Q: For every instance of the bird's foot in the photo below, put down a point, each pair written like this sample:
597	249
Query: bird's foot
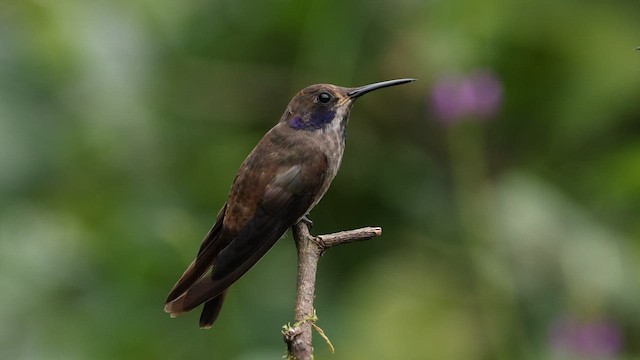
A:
305	219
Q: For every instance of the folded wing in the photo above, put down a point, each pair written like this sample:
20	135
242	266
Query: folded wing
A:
284	201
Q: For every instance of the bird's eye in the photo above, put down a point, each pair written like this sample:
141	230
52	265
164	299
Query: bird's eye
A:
324	97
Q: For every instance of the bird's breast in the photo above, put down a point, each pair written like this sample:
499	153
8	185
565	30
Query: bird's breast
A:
332	143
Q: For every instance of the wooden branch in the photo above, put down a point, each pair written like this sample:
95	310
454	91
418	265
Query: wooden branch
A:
298	336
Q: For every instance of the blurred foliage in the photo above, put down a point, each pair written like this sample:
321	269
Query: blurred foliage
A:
515	236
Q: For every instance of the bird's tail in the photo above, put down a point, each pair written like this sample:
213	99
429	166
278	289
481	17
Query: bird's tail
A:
211	310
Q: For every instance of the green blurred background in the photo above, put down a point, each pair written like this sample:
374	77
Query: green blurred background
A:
509	233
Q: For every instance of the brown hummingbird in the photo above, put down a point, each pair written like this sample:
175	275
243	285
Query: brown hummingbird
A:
277	185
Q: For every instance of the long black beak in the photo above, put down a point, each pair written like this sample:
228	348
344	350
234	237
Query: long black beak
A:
359	91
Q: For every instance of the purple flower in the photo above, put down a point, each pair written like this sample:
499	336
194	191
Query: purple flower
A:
478	95
588	339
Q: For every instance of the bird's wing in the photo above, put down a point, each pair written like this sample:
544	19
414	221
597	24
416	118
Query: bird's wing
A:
285	200
211	246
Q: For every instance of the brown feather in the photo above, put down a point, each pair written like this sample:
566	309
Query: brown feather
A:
211	246
211	310
261	207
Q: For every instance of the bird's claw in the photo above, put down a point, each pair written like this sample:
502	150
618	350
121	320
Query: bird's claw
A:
305	219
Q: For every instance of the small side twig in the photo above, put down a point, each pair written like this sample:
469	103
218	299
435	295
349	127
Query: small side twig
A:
298	337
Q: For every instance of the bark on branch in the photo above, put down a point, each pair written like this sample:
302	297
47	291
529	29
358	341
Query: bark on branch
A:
299	335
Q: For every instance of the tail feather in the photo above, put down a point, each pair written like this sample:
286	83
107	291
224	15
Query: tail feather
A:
175	307
211	310
212	243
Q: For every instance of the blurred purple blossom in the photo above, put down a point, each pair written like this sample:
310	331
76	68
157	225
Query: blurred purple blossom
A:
598	339
455	98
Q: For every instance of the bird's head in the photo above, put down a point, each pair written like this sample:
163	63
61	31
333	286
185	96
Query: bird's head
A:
318	106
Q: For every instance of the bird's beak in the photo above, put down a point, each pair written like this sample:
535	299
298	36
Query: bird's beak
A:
359	91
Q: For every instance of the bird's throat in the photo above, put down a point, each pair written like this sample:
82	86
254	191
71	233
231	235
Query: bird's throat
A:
315	121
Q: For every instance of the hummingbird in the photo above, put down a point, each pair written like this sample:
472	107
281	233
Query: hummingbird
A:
278	184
